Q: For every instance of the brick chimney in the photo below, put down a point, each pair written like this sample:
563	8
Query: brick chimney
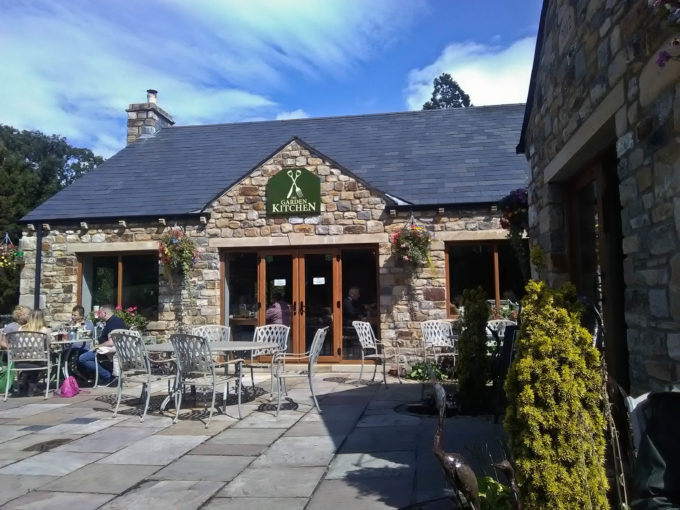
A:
146	119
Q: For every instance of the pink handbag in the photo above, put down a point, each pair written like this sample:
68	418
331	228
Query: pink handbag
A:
69	388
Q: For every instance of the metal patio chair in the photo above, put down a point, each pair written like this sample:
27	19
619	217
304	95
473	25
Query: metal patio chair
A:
110	356
32	348
134	365
379	354
196	366
312	355
213	332
439	340
277	333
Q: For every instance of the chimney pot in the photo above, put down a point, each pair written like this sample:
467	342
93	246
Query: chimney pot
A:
151	96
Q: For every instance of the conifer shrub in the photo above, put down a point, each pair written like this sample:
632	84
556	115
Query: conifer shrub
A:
554	416
473	363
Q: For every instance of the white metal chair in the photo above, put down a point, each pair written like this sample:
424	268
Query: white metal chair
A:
495	331
312	355
109	355
439	340
32	348
134	365
195	366
369	343
213	332
277	333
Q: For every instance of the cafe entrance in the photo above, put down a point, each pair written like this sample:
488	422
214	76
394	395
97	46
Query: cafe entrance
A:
304	289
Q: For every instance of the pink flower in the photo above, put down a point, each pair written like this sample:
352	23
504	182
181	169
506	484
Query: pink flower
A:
119	308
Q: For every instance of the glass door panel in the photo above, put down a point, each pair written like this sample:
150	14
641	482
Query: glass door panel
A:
317	305
282	307
241	295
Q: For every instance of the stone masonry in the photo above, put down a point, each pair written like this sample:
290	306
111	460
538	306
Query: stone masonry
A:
348	207
599	56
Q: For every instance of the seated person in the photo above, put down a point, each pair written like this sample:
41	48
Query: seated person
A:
278	311
20	315
28	380
87	362
78	319
352	309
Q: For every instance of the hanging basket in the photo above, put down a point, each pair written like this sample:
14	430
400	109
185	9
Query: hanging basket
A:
177	253
10	256
411	245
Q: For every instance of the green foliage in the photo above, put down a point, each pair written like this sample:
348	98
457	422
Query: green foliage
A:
132	318
447	94
554	415
33	167
423	371
473	364
177	252
493	495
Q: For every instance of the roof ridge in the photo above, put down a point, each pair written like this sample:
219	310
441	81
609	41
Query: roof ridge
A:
353	116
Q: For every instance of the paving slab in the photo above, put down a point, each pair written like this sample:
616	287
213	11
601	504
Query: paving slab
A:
13	486
265	420
29	410
102	478
235	435
366	494
229	450
203	467
388	419
274	482
373	439
256	503
58	500
154	450
83	428
51	463
332	428
166	494
197	427
9	432
300	451
108	440
372	465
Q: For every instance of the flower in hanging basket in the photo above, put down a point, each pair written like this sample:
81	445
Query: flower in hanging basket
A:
177	252
10	257
412	245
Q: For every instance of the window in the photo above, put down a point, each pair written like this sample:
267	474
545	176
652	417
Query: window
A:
121	280
493	266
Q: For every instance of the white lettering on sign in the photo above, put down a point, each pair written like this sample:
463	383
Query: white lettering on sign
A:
280	282
319	280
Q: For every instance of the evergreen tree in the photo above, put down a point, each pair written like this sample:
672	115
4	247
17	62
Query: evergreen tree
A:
447	94
33	167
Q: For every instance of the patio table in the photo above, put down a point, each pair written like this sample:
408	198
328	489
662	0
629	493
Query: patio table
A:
62	349
225	347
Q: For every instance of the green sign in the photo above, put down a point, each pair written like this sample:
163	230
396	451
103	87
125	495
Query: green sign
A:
294	192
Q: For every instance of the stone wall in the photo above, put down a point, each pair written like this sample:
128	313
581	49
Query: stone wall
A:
597	80
350	211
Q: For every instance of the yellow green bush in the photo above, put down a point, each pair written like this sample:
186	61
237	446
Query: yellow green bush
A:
554	417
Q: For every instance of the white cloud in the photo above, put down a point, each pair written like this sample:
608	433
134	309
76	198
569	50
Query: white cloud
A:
295	114
488	74
73	67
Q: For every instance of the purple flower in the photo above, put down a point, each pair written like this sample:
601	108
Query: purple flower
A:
662	58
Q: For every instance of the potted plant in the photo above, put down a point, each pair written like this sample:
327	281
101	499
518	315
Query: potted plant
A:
132	317
412	245
177	253
10	256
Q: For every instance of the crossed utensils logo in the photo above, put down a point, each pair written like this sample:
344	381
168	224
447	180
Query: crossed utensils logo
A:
294	186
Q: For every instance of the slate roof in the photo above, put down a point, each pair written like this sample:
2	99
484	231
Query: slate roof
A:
429	157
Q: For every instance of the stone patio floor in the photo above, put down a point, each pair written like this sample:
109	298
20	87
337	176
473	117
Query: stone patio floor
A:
360	453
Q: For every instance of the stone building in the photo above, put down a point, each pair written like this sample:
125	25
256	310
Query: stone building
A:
301	208
601	132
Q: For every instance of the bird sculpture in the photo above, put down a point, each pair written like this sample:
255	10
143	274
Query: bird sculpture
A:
456	469
506	468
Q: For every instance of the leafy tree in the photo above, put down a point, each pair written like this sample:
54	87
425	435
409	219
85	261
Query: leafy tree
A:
33	167
473	367
447	94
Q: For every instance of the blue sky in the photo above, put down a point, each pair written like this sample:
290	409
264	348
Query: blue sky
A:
72	67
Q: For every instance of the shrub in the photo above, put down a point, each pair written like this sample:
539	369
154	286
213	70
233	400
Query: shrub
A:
554	416
473	363
424	370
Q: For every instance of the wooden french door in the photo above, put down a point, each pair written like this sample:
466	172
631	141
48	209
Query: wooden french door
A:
307	280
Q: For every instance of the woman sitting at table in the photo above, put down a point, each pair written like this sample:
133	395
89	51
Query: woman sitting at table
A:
21	315
28	381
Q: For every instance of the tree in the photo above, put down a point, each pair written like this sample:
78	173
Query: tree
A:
33	167
447	94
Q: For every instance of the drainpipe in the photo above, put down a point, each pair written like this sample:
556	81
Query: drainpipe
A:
38	265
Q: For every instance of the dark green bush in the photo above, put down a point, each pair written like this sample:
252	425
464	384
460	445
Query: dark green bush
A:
424	370
473	363
554	415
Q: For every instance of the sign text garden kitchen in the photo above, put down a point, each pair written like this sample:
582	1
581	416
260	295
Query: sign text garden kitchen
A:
294	191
